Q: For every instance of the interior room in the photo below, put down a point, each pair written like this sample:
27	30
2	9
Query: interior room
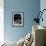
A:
22	23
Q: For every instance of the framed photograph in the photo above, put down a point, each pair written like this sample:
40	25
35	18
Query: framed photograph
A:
17	19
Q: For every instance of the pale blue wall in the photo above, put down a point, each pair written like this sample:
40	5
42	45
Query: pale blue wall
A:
29	7
43	6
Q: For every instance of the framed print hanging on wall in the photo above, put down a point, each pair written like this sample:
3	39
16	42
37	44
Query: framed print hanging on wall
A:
17	19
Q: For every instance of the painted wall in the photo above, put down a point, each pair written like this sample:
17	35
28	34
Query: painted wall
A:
29	7
43	6
1	20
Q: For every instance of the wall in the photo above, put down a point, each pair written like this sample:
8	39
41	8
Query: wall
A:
42	6
1	20
29	7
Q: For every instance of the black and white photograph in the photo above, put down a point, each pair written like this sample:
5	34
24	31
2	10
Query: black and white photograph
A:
18	19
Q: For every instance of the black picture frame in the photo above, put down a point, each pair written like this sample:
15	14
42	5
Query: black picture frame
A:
17	19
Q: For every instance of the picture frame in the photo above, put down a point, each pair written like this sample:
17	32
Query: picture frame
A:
17	19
